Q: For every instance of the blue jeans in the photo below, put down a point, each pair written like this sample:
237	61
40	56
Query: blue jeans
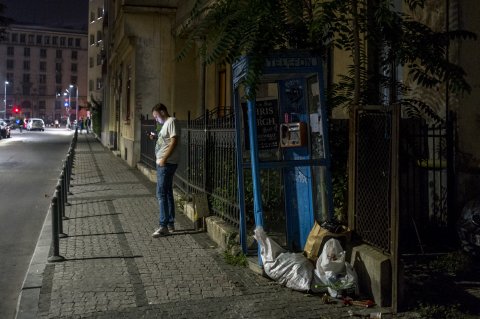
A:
165	194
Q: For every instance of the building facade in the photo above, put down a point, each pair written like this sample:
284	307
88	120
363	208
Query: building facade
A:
96	52
43	69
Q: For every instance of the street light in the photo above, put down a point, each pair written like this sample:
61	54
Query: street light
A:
76	100
5	99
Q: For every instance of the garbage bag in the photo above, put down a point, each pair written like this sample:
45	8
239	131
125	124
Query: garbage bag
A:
294	271
332	258
269	249
334	273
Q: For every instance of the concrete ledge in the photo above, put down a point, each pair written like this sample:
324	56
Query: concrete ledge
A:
220	232
27	306
150	173
374	274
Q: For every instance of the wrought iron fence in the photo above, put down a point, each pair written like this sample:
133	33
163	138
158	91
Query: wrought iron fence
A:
208	164
147	145
424	184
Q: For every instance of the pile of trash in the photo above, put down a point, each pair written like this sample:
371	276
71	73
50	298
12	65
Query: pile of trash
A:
303	271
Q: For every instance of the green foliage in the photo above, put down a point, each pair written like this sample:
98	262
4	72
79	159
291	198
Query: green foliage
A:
235	260
456	263
96	109
433	311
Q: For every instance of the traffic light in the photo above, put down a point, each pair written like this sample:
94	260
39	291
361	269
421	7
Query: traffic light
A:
66	104
16	110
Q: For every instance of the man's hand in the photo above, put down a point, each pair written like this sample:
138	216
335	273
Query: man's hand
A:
161	162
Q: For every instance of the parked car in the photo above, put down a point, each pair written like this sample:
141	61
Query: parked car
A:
35	124
4	129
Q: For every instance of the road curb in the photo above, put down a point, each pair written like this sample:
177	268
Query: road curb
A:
27	305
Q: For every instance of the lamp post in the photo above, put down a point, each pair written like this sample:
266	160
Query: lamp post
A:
5	99
76	100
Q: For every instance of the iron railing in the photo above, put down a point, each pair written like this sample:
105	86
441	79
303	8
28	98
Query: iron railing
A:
426	194
208	163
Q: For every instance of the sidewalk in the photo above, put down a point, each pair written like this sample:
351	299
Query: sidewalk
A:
115	269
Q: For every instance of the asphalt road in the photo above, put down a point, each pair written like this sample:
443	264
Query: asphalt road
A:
30	164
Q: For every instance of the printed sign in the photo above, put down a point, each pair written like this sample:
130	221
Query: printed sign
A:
267	124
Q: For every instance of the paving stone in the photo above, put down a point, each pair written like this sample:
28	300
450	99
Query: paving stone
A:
115	269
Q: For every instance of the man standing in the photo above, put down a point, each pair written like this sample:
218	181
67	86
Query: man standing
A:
167	155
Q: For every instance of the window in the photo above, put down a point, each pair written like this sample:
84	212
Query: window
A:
26	78
41	104
39	39
26	91
90	85
99	83
74	55
43	66
26	52
42	90
62	41
10	64
58	90
73	79
58	78
10	77
77	42
99	13
92	39
58	67
59	54
70	42
91	62
14	37
92	16
99	59
10	51
42	79
54	40
22	37
58	104
47	40
26	65
31	38
43	53
74	67
99	36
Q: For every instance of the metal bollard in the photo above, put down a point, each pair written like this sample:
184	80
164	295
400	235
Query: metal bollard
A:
64	176
60	208
55	257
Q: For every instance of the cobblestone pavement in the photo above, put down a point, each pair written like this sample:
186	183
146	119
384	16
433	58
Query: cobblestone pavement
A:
115	269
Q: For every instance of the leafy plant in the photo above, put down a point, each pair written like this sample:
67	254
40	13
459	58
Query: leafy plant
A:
455	263
235	260
441	312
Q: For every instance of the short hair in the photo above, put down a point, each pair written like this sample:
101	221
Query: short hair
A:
159	107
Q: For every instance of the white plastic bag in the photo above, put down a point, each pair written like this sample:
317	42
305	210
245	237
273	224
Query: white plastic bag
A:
269	249
332	257
292	270
333	272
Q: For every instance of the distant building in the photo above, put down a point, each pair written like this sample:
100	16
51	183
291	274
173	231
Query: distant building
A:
43	67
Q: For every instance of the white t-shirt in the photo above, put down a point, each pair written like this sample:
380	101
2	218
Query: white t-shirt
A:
169	129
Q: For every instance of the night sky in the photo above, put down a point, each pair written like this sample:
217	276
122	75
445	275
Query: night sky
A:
55	13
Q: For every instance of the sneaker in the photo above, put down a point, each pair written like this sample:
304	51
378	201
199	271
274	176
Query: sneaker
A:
162	231
171	228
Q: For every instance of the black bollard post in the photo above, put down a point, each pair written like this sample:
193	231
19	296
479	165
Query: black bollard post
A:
64	177
55	257
69	171
60	207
